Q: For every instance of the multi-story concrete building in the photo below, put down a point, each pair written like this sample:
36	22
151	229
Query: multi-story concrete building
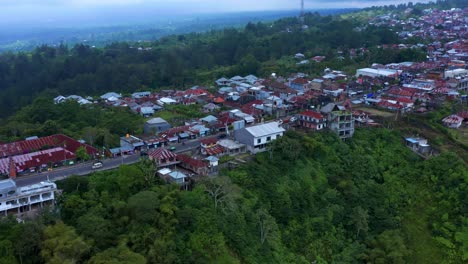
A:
17	200
340	120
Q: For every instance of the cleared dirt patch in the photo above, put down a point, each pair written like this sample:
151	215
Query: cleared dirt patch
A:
376	112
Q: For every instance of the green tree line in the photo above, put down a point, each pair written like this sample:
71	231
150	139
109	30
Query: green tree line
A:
174	61
309	199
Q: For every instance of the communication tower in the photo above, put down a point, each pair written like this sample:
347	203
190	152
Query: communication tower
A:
301	15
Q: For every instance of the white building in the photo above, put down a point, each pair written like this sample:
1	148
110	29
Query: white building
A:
456	73
257	137
166	101
16	200
377	73
111	96
453	121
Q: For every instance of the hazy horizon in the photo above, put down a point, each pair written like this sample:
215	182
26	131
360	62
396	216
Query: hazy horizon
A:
113	12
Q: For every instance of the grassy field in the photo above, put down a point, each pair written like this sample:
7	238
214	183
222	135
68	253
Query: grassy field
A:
376	112
423	125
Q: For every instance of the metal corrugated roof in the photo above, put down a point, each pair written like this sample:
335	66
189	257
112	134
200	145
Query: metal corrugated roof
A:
7	185
177	175
265	129
156	120
162	153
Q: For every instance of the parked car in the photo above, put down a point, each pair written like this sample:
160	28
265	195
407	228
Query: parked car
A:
97	165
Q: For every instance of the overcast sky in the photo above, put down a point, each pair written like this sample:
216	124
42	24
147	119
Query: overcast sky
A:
227	5
20	11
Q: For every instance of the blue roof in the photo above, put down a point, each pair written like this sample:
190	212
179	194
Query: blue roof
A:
177	175
115	150
412	140
209	119
183	135
147	110
212	158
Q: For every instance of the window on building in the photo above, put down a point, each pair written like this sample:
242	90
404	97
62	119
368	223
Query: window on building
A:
259	141
268	139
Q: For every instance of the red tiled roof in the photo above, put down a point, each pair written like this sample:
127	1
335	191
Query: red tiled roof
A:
463	114
27	146
161	153
387	104
401	92
404	100
218	100
312	114
453	119
226	120
25	161
251	110
171	132
196	92
298	100
300	81
442	90
216	150
209	141
194	163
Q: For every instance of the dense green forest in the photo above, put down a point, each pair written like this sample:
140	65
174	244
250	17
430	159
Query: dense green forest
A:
185	60
98	125
310	199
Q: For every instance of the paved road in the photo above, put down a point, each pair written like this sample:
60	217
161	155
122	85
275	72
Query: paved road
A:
79	169
85	168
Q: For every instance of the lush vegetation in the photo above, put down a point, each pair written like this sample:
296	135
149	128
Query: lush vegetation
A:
185	60
310	198
97	125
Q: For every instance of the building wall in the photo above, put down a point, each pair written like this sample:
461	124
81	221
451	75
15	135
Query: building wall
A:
342	123
27	202
253	143
463	85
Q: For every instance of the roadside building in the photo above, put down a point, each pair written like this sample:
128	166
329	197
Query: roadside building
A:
18	200
131	143
257	137
163	157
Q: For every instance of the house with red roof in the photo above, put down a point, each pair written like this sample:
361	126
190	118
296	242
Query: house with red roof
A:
464	115
453	121
43	143
318	58
210	147
163	157
200	167
218	100
312	120
389	105
299	84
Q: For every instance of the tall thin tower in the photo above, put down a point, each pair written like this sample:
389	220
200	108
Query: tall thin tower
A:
301	15
302	8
